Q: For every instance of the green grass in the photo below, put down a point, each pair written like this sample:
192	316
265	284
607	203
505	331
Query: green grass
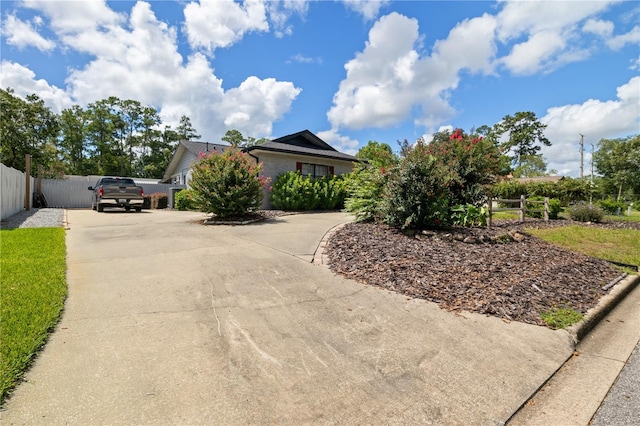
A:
618	245
33	290
635	217
557	318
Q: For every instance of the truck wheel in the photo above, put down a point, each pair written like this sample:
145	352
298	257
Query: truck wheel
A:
127	208
93	206
138	209
100	208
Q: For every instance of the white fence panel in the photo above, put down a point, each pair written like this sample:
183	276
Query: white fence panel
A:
12	188
72	192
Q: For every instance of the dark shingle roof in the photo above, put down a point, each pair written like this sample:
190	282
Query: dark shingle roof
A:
197	147
294	149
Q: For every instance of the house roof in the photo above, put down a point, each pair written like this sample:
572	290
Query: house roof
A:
540	179
192	147
302	143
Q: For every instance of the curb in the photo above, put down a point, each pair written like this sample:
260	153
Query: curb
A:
319	257
605	305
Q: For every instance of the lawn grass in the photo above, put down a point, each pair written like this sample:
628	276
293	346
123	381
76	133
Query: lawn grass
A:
33	289
617	245
635	217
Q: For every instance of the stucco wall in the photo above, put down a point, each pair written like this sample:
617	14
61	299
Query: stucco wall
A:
275	164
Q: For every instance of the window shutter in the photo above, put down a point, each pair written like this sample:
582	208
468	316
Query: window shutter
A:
299	167
331	170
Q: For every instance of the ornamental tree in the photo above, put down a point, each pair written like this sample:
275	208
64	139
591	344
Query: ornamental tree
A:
471	162
227	184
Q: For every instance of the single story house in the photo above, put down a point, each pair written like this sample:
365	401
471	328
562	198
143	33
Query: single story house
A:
302	151
541	179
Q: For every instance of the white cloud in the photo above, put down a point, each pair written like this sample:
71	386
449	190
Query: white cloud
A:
256	104
75	16
24	82
369	9
593	118
550	33
341	143
23	34
280	12
632	37
137	58
388	79
598	27
211	24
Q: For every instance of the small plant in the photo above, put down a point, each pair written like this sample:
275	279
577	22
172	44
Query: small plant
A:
469	215
560	317
584	212
611	206
555	207
184	200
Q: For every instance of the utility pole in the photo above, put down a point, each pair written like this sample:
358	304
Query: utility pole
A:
581	156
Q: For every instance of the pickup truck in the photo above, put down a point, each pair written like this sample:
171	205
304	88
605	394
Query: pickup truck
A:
116	192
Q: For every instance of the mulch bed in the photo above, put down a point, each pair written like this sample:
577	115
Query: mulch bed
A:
500	271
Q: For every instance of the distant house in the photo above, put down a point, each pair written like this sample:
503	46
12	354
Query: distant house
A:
302	151
552	179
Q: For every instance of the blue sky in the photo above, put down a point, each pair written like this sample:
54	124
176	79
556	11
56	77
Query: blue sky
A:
349	71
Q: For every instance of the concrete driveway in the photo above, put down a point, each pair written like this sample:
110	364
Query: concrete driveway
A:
172	322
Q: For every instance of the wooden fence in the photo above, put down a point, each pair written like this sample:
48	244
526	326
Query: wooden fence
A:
522	207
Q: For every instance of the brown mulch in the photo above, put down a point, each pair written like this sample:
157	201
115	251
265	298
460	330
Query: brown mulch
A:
500	271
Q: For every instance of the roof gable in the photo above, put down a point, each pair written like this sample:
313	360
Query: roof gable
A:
305	139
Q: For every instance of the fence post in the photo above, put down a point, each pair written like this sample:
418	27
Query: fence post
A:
546	209
27	188
523	206
490	210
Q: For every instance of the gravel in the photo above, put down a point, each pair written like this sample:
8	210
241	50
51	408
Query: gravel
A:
35	218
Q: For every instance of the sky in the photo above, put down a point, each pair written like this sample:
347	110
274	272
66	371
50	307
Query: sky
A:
349	71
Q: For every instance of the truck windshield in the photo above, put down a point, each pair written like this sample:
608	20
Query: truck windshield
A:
114	181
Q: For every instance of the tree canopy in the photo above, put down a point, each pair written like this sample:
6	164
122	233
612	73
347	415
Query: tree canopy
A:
618	161
524	133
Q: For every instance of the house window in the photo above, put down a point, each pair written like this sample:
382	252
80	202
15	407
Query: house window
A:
314	170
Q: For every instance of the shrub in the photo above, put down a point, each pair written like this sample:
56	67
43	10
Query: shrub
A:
584	212
294	192
418	193
159	200
366	190
227	184
555	207
469	215
330	191
184	200
471	161
611	206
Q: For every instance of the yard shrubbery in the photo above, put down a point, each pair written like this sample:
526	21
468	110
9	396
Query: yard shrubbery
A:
294	192
227	184
428	184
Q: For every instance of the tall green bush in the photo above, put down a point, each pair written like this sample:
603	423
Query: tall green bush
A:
418	194
294	192
227	184
366	187
184	200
